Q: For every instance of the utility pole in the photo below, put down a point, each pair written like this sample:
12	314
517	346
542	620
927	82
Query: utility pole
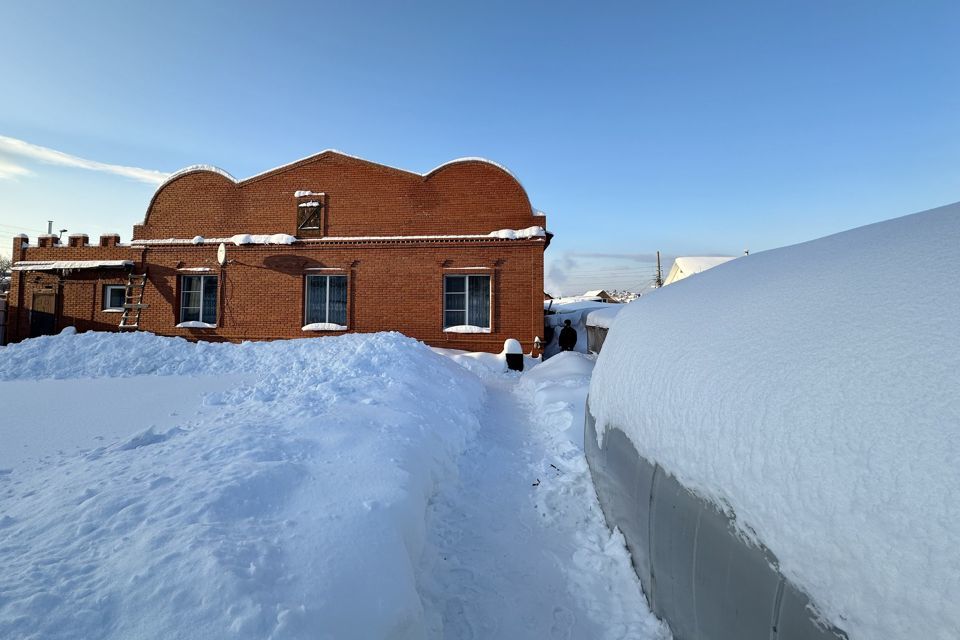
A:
659	282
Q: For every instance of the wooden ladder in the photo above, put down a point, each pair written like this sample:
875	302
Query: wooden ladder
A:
133	301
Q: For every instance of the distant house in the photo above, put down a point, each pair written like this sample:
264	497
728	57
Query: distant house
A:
321	246
600	294
689	265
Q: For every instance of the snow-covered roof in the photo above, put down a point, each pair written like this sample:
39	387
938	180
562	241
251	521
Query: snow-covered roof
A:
192	169
218	170
70	265
283	238
822	412
519	234
238	239
565	301
604	317
685	266
304	192
472	159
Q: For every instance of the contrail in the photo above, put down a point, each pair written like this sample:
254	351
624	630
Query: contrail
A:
12	146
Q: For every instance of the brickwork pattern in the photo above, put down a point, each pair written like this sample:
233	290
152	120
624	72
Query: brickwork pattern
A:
392	285
362	199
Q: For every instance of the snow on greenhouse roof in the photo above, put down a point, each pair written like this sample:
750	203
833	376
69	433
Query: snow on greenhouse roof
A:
822	411
604	317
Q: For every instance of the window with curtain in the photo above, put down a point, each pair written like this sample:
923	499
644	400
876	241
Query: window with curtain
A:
198	299
327	300
466	301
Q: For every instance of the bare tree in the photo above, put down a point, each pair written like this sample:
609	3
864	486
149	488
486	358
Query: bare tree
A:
5	264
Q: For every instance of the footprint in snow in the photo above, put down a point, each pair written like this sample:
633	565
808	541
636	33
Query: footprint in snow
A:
563	622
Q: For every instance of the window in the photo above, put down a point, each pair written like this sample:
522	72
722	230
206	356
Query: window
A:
466	301
326	300
114	296
198	299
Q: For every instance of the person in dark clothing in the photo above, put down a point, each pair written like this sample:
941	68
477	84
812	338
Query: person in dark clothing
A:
568	337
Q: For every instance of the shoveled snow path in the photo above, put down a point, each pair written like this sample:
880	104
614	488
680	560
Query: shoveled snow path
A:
507	559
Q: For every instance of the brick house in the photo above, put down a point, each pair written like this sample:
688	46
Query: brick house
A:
324	245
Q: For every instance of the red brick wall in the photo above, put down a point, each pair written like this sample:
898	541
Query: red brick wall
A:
363	199
392	285
80	293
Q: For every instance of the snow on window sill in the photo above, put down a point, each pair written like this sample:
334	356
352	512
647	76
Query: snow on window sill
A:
323	326
466	328
193	324
112	310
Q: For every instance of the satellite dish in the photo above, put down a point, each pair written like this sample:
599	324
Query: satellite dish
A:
222	254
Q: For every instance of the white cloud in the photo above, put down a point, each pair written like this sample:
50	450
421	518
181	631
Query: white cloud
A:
11	171
12	146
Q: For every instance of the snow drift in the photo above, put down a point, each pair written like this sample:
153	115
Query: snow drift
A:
812	391
293	506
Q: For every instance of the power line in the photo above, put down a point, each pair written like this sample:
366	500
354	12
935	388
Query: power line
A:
18	228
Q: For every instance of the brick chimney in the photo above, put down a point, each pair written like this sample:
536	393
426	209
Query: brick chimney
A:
109	239
78	240
18	241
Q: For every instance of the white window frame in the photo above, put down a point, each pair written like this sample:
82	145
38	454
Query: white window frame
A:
106	297
326	310
203	288
466	298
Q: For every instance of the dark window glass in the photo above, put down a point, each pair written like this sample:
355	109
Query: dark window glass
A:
454	318
456	284
456	301
114	296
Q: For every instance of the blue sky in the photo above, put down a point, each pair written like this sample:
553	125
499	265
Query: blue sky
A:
688	127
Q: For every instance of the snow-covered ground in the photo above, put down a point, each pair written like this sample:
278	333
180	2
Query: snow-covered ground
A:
359	486
46	419
518	547
291	506
813	390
